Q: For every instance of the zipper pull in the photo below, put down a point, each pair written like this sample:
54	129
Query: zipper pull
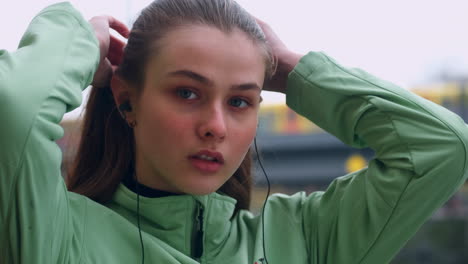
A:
260	261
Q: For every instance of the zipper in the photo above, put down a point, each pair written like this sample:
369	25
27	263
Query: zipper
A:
197	240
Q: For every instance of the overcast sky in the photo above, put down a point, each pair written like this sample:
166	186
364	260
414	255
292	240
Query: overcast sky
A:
404	41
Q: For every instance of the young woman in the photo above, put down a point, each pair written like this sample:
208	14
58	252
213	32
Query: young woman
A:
163	169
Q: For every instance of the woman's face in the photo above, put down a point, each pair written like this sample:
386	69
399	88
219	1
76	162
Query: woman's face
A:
197	113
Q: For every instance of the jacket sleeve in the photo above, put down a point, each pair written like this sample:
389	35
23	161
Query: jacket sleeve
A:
420	161
39	82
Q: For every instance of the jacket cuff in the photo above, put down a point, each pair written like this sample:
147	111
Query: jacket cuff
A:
300	77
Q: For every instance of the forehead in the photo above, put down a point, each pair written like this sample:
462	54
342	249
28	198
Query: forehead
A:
210	52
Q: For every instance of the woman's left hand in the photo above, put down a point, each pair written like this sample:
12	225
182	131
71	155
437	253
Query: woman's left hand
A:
285	58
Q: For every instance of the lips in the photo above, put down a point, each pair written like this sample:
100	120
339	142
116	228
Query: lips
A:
209	156
207	161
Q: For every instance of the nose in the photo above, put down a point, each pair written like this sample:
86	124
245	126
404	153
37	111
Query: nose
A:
212	124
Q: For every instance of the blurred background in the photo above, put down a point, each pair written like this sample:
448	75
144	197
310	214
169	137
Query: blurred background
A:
419	45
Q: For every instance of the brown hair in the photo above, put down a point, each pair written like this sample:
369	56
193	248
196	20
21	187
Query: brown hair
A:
107	150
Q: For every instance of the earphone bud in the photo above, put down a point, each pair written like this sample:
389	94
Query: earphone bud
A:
125	107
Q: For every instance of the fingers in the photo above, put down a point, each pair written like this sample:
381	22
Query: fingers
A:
116	45
264	25
118	26
111	47
116	48
259	21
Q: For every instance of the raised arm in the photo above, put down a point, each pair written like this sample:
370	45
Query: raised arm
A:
367	216
39	82
421	155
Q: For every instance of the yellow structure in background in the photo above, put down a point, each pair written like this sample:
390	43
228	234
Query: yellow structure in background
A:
279	119
442	93
355	162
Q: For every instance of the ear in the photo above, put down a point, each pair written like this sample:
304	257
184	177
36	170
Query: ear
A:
122	94
120	90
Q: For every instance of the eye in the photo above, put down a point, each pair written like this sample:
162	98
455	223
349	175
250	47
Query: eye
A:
238	102
186	94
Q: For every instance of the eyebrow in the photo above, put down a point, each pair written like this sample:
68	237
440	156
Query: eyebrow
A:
192	75
246	86
203	80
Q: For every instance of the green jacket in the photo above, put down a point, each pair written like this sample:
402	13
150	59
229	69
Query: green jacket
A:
364	217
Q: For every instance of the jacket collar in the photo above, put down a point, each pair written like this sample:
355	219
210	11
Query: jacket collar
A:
173	219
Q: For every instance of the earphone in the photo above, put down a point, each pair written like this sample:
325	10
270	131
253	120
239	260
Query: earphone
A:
123	108
126	107
264	203
138	221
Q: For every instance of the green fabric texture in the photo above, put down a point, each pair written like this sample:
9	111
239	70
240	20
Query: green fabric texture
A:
364	217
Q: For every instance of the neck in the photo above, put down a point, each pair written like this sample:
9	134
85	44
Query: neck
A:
130	182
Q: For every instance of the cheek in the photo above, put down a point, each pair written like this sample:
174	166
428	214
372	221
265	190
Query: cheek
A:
243	136
241	140
162	126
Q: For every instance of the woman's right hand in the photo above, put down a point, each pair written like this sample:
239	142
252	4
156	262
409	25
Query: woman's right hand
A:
111	48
